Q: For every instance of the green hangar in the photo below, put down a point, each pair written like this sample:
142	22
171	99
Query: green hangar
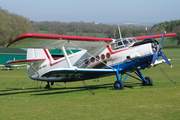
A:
11	54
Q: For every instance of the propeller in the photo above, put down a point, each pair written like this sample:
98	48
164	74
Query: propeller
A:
159	49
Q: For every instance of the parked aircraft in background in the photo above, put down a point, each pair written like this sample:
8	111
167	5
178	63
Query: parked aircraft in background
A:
99	57
11	66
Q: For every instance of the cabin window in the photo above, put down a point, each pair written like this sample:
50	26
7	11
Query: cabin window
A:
92	59
102	56
97	58
86	61
108	55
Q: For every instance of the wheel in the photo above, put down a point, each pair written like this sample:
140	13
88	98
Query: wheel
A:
52	83
47	86
150	82
118	85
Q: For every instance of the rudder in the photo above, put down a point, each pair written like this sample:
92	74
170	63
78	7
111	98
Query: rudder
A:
38	54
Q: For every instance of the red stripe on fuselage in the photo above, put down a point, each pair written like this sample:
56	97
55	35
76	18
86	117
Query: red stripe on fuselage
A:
49	58
108	47
114	52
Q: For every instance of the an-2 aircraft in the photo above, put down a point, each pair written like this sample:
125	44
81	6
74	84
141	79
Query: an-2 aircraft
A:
99	57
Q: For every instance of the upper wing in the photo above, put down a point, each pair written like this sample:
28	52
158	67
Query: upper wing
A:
155	36
49	41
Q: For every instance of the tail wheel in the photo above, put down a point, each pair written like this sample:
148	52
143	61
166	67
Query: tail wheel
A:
118	85
150	82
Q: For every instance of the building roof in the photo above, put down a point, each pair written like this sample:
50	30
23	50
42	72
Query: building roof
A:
12	51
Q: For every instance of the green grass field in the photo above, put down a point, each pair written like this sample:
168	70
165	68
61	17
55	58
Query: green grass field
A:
19	98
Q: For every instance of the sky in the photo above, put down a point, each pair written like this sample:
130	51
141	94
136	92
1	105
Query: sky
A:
98	11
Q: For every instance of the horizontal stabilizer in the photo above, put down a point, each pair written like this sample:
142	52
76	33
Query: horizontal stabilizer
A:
27	61
160	62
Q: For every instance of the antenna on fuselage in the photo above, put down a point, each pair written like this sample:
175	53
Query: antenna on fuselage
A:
119	32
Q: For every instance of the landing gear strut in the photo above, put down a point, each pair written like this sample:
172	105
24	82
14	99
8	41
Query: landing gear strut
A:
119	84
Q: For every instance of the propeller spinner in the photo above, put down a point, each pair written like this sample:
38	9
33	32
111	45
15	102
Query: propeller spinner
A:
159	49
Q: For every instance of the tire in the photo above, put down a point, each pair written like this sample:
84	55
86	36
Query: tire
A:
118	85
150	81
47	86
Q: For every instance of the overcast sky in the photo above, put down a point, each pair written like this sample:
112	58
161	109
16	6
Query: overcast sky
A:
99	11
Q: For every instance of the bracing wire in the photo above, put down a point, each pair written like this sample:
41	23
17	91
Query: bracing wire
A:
166	75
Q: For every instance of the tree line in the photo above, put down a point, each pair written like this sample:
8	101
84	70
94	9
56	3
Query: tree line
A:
13	25
171	26
110	31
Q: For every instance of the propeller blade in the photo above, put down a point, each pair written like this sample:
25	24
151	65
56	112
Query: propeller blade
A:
154	57
163	37
165	58
150	36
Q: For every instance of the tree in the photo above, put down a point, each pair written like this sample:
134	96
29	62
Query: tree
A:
177	31
78	32
110	32
61	31
11	26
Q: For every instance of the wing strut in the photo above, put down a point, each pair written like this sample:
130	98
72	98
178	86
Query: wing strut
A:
66	57
34	69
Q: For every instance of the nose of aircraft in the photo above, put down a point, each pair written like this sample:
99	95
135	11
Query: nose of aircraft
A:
159	49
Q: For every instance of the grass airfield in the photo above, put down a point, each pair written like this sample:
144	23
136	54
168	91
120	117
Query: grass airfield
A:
20	98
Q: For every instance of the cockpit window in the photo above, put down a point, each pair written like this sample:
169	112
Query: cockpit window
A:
130	40
126	43
134	40
121	43
117	45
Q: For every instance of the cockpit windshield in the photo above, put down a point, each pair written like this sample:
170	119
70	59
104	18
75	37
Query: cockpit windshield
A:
121	43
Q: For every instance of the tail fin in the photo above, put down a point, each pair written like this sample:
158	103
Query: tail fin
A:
37	54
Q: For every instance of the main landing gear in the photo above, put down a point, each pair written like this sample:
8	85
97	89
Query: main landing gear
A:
119	84
48	86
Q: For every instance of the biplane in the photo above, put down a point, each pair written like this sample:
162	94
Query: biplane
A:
99	57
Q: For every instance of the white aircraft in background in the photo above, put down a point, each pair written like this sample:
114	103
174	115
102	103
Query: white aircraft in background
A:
11	66
99	57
